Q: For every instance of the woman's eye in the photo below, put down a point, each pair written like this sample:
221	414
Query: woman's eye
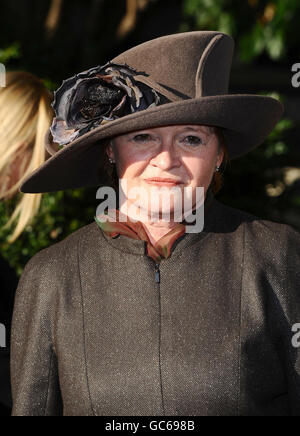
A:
144	137
193	140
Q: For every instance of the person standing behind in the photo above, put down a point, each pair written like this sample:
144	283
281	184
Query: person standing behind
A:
25	116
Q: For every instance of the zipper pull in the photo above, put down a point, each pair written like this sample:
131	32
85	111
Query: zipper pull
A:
157	273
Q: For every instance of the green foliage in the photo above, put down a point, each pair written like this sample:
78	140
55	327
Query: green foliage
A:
261	26
50	84
60	214
257	182
10	52
210	15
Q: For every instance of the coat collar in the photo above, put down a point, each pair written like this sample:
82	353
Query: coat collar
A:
139	247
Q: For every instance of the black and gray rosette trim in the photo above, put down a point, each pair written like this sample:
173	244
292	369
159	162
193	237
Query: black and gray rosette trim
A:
97	96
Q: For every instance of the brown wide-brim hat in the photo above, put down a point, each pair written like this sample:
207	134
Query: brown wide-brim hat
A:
188	74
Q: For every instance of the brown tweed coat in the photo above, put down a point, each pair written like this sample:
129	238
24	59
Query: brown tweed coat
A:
95	334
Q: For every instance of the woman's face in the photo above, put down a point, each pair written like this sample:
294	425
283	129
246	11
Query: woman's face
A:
187	154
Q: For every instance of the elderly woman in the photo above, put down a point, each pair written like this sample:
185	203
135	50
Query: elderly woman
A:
136	314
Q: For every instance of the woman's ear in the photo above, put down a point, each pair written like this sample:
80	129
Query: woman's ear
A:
220	156
109	150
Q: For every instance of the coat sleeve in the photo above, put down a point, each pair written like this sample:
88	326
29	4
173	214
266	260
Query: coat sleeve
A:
290	299
34	371
8	286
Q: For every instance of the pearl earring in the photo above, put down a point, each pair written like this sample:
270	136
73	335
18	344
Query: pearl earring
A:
111	160
217	169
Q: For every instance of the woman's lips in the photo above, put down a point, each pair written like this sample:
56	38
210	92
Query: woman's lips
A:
160	182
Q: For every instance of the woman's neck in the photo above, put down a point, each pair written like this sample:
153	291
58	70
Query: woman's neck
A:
155	229
156	232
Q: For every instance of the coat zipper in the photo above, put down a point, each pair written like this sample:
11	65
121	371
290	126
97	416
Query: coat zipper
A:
157	280
157	273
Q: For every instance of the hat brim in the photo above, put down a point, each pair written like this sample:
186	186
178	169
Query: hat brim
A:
247	121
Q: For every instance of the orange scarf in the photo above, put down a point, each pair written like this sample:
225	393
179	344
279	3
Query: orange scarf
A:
136	230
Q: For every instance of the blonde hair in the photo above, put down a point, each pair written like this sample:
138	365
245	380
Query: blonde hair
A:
25	116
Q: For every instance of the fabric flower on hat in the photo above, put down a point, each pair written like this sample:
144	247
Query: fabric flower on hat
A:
97	96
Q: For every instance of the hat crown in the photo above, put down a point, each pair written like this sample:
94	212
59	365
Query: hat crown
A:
191	64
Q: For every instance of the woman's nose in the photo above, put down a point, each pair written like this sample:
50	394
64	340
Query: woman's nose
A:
166	157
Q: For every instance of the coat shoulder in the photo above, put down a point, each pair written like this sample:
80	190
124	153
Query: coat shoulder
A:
50	260
263	234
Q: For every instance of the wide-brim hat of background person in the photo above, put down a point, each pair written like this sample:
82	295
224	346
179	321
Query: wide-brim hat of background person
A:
175	79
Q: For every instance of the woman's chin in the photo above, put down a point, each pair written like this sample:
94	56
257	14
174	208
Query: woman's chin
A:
156	214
